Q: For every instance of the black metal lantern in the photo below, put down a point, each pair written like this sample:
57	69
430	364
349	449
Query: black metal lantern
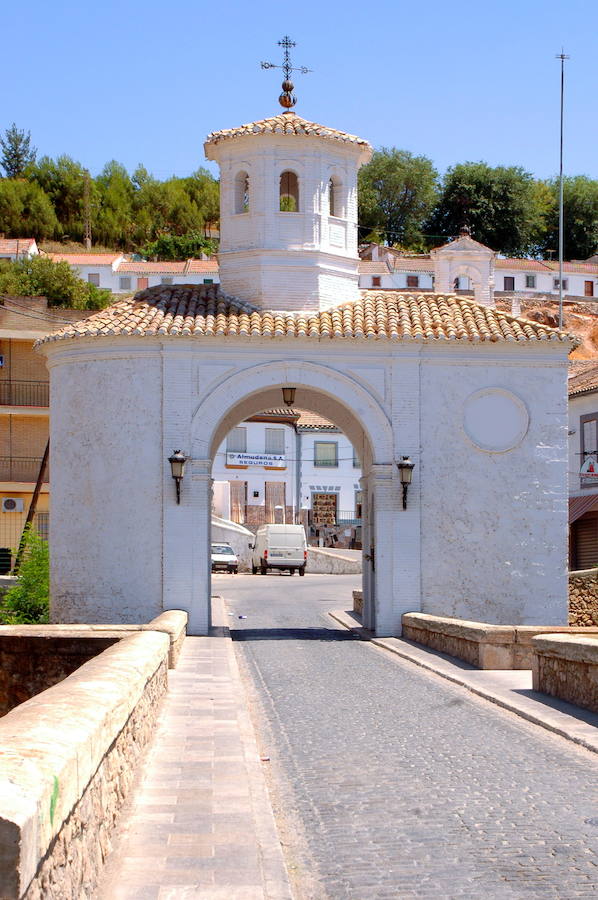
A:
405	467
288	395
177	467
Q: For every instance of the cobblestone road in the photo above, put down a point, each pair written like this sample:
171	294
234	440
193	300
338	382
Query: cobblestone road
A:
404	785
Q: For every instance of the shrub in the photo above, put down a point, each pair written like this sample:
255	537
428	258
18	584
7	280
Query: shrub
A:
28	601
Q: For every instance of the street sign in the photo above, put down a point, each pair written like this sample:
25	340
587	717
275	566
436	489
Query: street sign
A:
589	468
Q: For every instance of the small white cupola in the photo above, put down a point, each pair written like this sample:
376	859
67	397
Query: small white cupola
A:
288	210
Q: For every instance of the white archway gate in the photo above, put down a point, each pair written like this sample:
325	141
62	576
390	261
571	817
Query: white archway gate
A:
331	394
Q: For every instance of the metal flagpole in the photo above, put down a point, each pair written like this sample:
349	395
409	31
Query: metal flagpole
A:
562	56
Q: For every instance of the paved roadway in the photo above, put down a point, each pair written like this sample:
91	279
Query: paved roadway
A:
389	782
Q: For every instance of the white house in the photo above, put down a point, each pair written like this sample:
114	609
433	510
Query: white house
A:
121	275
12	249
289	466
473	397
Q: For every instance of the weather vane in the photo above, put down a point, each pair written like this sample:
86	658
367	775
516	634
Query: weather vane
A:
287	99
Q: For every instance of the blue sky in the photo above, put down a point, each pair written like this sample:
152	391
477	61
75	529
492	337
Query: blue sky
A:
146	81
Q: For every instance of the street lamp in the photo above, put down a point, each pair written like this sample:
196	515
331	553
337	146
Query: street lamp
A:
405	467
288	395
177	467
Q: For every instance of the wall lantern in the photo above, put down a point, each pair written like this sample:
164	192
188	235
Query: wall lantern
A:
288	395
177	467
405	467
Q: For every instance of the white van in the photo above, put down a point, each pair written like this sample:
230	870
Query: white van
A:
279	547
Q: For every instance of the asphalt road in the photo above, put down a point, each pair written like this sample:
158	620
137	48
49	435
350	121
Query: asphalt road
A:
389	782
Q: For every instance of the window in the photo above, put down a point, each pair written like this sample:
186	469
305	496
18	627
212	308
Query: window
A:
124	283
565	284
530	281
208	281
356	460
588	288
94	278
376	281
236	441
166	281
413	281
509	283
289	192
326	454
238	501
358	504
588	431
274	440
334	197
241	192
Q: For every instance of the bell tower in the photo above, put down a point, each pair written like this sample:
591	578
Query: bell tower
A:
288	208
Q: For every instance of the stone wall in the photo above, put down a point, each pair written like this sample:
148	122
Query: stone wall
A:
567	667
583	598
69	759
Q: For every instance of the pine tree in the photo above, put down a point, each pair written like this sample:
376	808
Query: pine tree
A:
17	152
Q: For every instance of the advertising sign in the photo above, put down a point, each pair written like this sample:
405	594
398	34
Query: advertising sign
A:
271	460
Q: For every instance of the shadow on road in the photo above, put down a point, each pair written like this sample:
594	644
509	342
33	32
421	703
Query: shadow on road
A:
291	634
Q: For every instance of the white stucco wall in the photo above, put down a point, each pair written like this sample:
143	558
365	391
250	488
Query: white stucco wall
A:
341	479
106	481
493	524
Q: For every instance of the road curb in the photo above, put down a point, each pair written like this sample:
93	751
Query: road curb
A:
573	723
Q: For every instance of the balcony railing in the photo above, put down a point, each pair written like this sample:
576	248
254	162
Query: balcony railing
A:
23	468
347	517
24	393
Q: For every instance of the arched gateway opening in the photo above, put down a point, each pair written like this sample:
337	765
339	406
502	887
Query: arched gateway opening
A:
346	404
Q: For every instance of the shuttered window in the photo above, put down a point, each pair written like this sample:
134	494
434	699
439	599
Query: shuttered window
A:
509	282
236	441
275	496
238	501
326	453
585	531
274	440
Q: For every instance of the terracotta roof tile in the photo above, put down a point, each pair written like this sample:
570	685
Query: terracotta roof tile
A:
583	377
204	311
285	123
15	245
367	267
86	259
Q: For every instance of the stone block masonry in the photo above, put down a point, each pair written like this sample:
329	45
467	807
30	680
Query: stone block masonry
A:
566	666
69	756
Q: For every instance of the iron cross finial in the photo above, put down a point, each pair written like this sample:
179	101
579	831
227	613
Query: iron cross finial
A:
287	99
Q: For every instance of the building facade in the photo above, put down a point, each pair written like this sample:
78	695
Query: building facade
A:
117	273
475	397
583	466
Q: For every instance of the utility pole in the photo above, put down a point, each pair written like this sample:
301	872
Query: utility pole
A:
87	210
562	56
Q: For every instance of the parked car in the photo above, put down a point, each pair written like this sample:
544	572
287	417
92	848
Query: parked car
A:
279	547
224	559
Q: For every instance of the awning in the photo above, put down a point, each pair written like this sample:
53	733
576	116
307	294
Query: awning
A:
578	506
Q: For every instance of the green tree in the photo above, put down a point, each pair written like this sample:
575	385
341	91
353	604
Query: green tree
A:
28	601
39	276
25	210
397	192
498	204
179	247
63	181
17	153
580	217
114	223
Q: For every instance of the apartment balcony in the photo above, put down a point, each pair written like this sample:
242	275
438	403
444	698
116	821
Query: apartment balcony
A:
24	393
22	468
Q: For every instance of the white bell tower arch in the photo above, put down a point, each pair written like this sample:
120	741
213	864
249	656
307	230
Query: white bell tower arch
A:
288	211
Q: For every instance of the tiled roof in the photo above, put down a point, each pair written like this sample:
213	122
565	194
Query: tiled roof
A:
203	311
529	265
202	265
86	259
309	421
285	123
15	245
367	267
583	378
152	268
